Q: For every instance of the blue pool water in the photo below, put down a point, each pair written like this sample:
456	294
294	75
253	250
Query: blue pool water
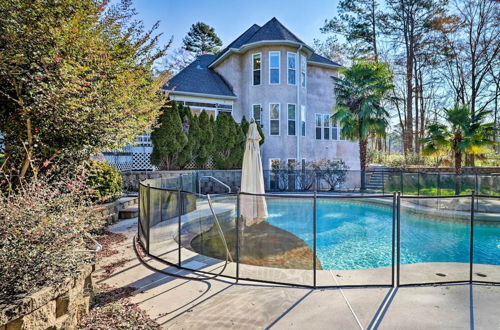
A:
353	235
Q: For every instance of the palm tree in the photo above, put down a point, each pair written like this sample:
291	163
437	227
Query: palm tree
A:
359	92
465	133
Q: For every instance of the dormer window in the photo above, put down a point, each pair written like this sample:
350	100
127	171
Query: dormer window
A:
274	68
256	67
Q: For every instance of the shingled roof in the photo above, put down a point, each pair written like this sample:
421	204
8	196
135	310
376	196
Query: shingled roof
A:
316	58
198	78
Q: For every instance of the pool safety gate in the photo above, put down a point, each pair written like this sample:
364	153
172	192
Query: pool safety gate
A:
173	217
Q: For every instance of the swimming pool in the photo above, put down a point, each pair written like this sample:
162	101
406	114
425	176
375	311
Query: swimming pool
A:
354	235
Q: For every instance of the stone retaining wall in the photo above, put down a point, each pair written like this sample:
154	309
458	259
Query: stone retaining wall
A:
51	307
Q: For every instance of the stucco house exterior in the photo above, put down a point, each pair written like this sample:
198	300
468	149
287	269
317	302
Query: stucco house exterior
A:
272	76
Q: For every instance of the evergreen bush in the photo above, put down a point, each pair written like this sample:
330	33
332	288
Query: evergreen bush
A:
104	180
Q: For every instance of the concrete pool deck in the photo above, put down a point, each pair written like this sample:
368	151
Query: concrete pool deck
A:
177	303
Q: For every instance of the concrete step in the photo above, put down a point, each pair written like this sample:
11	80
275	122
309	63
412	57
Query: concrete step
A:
128	212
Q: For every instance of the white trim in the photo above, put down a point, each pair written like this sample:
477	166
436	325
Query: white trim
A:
246	47
252	69
304	119
320	126
304	68
329	121
288	119
287	68
325	65
213	96
274	52
279	119
261	113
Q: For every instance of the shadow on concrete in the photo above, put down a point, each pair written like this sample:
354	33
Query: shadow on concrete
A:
197	304
289	309
382	309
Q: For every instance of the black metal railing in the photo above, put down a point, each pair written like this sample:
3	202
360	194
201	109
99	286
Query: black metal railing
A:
176	226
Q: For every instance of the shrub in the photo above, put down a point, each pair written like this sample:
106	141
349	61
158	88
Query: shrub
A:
42	234
104	180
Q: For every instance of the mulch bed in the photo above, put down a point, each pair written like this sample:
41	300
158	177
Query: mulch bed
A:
111	307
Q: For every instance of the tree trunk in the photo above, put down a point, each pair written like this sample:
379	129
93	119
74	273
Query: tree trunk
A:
458	172
417	145
409	90
362	161
374	32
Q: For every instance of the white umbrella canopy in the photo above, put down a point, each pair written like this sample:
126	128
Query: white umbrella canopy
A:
253	209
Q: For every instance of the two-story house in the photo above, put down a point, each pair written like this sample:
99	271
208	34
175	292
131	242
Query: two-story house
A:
272	76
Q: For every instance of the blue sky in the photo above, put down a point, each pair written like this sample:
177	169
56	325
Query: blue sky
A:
231	18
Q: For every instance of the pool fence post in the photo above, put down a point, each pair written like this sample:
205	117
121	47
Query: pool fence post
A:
148	207
401	179
418	184
383	184
314	240
398	238
438	192
238	235
179	213
394	197
471	257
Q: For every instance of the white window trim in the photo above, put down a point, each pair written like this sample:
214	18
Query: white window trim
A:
303	118
320	126
338	130
252	69
330	127
287	120
279	66
303	68
288	68
261	113
279	119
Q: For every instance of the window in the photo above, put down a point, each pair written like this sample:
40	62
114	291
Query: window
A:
318	119
292	117
326	127
303	119
335	131
257	114
256	67
274	119
274	163
274	68
291	163
291	68
303	69
227	112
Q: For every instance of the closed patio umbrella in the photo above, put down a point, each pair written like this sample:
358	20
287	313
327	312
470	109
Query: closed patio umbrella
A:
253	209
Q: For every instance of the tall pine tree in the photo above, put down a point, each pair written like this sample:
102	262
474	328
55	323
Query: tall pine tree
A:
202	39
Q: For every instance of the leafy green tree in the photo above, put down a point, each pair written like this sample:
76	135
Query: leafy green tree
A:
360	90
202	39
466	133
76	78
206	139
168	138
228	137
